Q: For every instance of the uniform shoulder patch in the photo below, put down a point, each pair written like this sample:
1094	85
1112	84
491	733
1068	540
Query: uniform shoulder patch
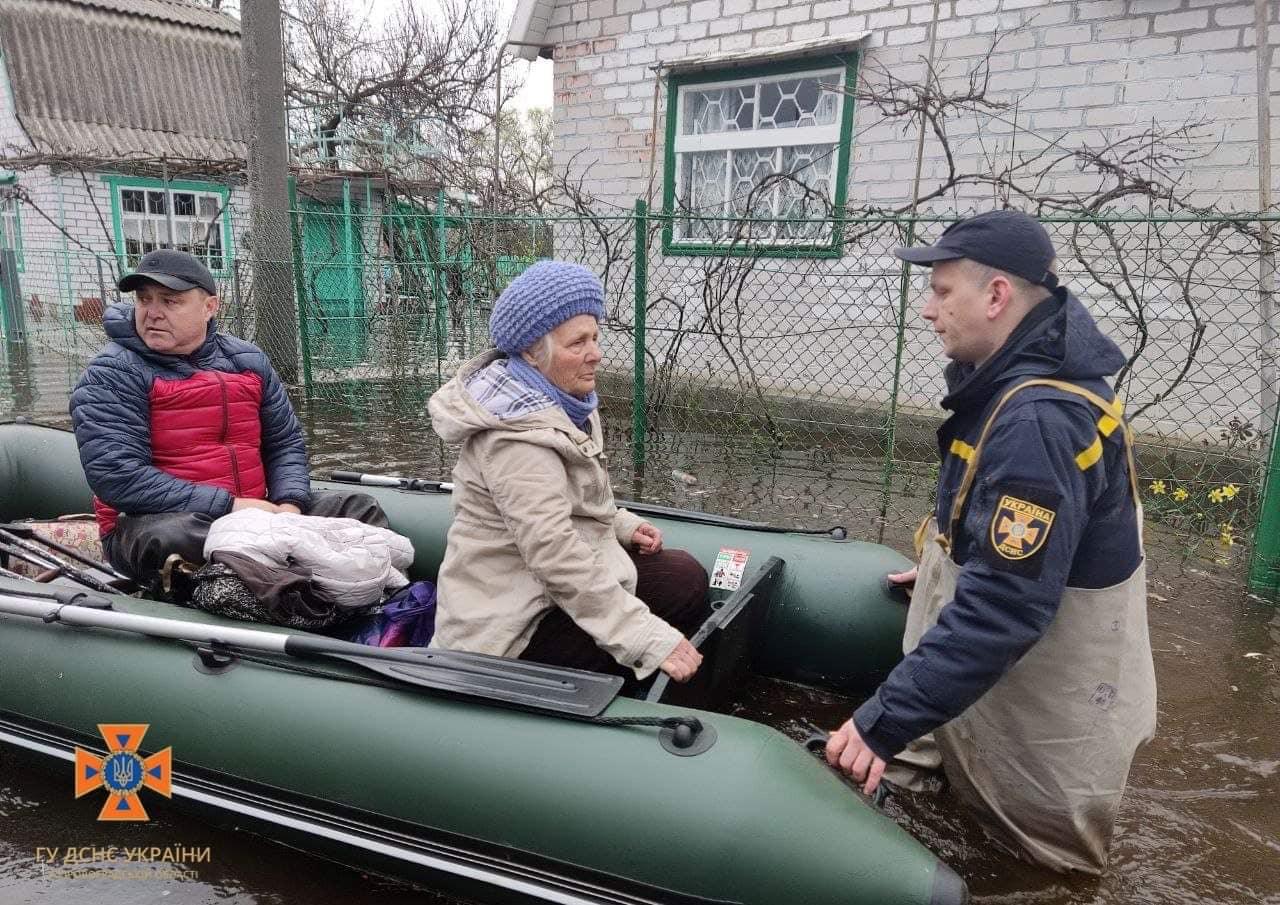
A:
1021	522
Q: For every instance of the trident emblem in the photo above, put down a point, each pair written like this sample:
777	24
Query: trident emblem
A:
123	772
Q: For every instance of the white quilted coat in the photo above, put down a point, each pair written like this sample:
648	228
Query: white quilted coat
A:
351	563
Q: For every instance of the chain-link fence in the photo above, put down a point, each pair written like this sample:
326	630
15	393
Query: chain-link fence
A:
810	375
794	382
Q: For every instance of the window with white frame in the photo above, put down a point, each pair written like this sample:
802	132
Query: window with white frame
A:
757	158
187	219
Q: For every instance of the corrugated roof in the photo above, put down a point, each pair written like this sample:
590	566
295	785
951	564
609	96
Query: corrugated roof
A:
124	78
179	12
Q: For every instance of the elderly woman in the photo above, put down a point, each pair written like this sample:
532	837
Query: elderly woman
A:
540	563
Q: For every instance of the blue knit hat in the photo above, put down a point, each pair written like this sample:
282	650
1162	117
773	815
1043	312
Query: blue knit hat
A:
542	298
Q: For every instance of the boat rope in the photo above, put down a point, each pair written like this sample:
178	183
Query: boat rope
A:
675	723
218	654
684	729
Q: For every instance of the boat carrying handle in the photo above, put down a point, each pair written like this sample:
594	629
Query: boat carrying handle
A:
816	744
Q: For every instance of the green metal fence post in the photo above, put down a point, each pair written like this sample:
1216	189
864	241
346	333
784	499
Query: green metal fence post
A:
300	283
891	428
353	283
639	410
442	252
1264	571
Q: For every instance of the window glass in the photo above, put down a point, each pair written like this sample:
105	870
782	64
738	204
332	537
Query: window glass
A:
758	157
191	221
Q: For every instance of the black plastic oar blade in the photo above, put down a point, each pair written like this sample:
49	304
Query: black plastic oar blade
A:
517	683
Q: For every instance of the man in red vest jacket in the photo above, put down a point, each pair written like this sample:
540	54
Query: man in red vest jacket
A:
179	424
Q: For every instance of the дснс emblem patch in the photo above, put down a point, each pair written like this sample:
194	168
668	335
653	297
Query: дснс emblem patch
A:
1019	528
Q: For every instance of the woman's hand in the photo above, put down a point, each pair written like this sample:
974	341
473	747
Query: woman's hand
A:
904	579
647	540
682	662
251	503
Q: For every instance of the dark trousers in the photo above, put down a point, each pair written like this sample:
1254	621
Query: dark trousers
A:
140	544
671	583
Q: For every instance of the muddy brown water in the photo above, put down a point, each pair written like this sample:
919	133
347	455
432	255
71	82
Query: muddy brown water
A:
1200	821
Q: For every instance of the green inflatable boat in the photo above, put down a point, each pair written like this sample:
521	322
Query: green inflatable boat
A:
494	779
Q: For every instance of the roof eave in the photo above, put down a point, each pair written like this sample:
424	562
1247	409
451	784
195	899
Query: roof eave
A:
796	50
528	32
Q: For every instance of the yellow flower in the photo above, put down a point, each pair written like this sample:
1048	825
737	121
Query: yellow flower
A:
1215	496
1180	494
1230	491
1226	537
1157	487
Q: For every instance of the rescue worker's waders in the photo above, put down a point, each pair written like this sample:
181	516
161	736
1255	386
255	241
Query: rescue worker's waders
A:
1045	754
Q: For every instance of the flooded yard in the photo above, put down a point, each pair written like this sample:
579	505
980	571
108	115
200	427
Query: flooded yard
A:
1200	822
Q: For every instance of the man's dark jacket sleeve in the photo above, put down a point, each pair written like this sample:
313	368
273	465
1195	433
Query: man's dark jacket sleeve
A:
110	412
284	452
1000	608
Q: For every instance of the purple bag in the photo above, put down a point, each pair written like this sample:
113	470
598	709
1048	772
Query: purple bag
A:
406	619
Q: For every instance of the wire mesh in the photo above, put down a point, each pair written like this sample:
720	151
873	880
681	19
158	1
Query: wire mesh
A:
770	373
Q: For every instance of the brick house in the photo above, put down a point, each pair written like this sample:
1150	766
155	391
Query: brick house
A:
122	124
755	86
1104	65
135	108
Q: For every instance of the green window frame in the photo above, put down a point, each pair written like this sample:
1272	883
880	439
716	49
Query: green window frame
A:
140	214
763	177
11	224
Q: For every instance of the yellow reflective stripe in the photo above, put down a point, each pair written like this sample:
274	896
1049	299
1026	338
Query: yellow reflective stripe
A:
1090	455
962	449
1107	425
1115	408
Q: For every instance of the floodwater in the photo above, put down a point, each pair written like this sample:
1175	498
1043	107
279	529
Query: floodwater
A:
1200	822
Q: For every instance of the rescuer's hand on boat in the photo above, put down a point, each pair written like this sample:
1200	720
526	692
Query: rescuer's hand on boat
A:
682	662
647	539
847	750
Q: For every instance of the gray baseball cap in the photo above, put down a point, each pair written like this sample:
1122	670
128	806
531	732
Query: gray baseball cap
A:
172	269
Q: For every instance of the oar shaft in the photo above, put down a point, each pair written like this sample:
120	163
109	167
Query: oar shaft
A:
530	686
15	546
368	480
246	638
91	617
379	480
71	552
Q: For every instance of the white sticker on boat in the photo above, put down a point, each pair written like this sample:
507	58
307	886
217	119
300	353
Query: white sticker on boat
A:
727	572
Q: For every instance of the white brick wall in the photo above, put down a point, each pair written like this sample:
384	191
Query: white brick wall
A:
1082	73
1163	57
62	270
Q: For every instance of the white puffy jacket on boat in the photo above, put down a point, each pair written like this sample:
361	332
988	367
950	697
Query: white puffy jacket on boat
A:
351	563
